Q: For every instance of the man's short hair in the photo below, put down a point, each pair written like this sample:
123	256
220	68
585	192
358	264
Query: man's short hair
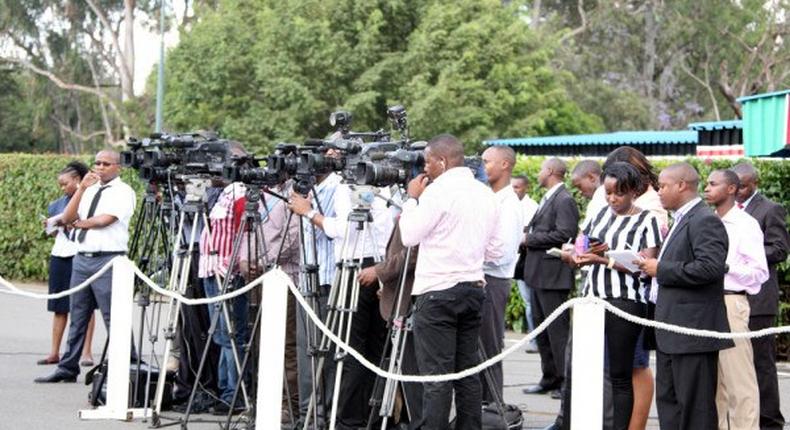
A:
449	147
730	177
557	166
745	169
586	167
523	178
506	152
685	172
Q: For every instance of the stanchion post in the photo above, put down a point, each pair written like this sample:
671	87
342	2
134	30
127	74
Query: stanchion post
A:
587	361
271	355
120	348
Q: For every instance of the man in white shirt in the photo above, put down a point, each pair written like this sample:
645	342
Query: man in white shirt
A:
454	221
520	185
737	396
99	211
498	162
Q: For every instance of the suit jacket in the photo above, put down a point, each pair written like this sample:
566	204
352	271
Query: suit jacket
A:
390	272
691	283
556	222
776	240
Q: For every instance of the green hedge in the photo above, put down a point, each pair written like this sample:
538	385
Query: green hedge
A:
28	183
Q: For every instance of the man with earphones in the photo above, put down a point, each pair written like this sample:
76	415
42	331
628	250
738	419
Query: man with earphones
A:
453	218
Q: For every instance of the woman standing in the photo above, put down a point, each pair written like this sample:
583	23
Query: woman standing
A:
622	225
60	264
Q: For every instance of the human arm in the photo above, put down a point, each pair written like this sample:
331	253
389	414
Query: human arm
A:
70	213
418	220
776	238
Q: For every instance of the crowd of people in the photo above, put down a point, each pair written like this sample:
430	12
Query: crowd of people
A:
703	261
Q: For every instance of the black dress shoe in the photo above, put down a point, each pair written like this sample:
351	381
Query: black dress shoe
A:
556	394
536	389
56	376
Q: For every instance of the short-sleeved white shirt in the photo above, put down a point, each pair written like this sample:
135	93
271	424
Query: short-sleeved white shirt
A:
119	201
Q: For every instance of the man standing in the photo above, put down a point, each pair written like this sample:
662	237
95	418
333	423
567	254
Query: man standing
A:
551	280
737	396
498	162
99	211
690	293
454	220
520	185
765	305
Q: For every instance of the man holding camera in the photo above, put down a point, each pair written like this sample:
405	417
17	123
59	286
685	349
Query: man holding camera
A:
99	211
454	221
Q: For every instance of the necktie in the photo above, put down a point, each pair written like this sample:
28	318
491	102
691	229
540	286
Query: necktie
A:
740	205
91	210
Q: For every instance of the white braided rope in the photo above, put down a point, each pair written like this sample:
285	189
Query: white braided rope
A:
15	291
276	275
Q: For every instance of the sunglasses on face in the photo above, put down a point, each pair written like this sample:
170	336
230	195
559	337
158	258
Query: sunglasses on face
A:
103	163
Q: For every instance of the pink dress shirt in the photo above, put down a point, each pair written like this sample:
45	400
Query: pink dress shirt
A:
746	255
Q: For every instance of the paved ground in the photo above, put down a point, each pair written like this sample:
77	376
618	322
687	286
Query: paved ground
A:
24	338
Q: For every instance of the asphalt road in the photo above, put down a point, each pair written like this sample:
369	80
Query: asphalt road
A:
25	335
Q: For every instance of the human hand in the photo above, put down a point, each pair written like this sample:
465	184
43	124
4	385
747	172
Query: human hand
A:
367	277
299	204
417	185
648	266
589	258
89	179
598	248
82	223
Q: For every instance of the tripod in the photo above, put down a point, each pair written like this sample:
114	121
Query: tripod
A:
149	247
343	299
400	326
180	270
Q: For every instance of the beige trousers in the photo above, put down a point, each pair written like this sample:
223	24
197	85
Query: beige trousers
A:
737	396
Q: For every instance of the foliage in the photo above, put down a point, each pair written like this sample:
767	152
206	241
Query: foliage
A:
264	72
28	183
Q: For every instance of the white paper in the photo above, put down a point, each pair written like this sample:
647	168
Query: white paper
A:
625	258
52	224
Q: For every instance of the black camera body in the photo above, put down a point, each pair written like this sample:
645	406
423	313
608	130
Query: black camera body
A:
162	157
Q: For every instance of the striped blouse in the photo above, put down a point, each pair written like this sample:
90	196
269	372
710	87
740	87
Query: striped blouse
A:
621	232
216	245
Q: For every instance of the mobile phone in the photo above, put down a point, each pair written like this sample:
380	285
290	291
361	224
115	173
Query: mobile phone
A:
594	239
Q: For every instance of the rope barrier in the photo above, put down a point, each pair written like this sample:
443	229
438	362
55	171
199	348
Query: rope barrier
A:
276	275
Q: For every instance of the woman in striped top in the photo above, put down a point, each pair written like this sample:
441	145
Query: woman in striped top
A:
620	226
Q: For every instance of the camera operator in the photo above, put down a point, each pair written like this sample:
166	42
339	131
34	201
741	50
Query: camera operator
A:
454	220
498	162
368	329
216	248
99	211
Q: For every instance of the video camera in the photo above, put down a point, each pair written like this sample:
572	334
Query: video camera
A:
163	156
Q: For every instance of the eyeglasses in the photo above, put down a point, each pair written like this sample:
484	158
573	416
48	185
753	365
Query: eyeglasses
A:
103	163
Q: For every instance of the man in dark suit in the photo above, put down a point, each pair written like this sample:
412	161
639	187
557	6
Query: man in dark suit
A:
690	293
765	304
555	223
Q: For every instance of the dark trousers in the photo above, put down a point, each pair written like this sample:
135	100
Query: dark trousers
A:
492	331
765	366
446	332
368	334
686	390
552	341
83	303
621	338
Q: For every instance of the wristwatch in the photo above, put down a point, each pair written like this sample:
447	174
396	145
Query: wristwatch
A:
310	215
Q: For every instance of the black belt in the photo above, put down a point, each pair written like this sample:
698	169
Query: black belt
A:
740	293
101	253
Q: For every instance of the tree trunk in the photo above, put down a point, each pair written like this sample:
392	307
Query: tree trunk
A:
127	56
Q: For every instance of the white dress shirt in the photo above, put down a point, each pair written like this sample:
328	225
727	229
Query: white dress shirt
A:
530	209
510	231
745	255
455	224
374	245
746	202
119	201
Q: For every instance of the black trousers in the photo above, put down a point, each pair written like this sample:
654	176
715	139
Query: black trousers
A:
368	334
621	338
446	332
765	366
492	331
686	390
552	341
